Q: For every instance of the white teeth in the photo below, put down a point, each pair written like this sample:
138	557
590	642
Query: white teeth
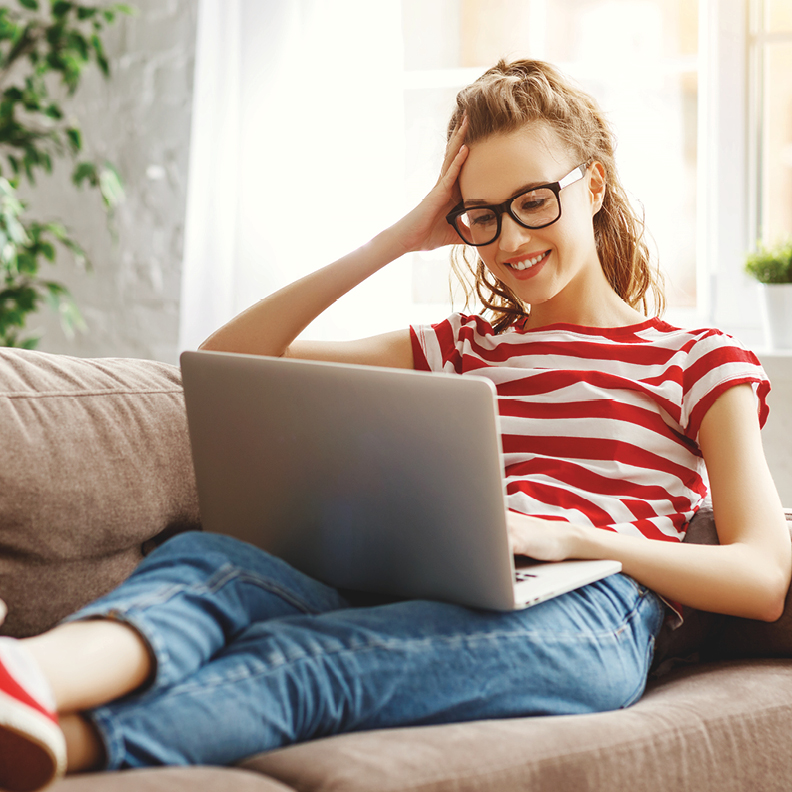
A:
522	265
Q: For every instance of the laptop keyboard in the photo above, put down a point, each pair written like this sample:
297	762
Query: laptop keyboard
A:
520	575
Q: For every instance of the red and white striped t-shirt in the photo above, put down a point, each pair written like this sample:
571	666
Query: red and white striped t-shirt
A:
599	425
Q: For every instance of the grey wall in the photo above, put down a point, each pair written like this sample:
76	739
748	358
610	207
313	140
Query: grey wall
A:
140	121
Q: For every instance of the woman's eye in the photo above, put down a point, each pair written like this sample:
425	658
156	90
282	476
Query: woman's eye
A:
531	203
481	218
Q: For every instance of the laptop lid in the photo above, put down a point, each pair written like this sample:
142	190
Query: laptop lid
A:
366	478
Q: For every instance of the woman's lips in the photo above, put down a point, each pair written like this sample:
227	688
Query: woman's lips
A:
527	267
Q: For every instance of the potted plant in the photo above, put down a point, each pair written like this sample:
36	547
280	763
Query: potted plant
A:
45	46
772	267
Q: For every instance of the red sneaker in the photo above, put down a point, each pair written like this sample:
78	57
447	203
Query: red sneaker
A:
32	746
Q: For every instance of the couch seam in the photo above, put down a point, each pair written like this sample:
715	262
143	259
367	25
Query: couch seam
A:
83	393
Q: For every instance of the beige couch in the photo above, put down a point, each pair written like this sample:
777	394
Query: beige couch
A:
95	465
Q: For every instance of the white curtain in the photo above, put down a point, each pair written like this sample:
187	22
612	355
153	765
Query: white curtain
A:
297	157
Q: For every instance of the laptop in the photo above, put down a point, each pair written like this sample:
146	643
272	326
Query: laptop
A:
370	479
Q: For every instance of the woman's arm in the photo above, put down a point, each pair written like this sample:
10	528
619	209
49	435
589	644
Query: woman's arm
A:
748	574
271	326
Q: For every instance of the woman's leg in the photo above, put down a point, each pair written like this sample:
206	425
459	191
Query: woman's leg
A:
84	747
414	662
90	663
197	593
86	664
179	608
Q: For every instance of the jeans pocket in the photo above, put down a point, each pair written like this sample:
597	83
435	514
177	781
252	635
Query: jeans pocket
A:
639	588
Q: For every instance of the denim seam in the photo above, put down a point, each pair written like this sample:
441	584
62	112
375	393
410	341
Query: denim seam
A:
472	639
648	654
224	575
110	735
643	594
647	664
465	639
188	688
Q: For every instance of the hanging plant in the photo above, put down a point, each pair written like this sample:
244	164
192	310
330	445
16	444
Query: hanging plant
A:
45	47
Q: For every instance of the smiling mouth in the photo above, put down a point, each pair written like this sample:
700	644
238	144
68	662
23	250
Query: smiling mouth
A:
527	263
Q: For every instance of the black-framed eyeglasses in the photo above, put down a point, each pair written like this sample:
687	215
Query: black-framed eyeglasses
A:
538	207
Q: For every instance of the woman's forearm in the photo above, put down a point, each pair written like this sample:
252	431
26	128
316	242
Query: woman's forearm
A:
270	326
738	579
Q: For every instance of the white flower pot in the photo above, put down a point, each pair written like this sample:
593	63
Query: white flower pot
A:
777	314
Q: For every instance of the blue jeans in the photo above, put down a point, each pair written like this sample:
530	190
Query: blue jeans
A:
252	655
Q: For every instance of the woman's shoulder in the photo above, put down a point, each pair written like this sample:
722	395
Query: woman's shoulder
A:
459	323
697	340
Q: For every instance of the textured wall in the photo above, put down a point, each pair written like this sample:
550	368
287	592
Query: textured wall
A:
140	121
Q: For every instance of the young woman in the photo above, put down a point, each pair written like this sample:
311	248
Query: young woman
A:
213	650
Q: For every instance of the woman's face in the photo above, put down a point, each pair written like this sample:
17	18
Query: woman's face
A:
538	265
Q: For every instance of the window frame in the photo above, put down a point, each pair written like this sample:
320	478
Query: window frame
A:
732	48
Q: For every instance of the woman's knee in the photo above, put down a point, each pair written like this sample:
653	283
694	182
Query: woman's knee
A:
200	545
192	553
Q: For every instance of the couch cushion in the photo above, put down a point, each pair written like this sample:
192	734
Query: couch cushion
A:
171	779
96	461
713	728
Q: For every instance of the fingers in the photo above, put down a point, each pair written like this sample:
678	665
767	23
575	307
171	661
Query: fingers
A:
455	144
451	171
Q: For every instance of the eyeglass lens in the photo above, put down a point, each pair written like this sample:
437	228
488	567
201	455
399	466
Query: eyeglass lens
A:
535	209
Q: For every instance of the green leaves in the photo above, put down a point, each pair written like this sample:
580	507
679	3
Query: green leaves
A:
61	9
24	246
771	265
41	40
61	43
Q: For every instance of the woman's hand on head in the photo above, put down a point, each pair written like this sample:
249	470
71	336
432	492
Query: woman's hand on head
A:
544	540
426	227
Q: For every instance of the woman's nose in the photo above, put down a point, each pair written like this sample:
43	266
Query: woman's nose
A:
512	235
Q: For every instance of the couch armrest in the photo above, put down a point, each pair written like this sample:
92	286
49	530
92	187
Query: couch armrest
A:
96	462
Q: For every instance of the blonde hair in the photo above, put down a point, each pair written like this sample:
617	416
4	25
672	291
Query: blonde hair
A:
511	95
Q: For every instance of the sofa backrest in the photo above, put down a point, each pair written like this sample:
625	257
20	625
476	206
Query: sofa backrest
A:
94	462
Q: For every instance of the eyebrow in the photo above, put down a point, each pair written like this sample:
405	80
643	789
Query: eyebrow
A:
519	191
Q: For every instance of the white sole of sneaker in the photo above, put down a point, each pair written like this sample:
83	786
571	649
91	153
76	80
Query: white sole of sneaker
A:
32	747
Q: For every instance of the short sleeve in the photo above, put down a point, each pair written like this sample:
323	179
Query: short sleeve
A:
715	363
440	347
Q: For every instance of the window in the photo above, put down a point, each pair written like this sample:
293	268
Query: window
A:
746	163
771	59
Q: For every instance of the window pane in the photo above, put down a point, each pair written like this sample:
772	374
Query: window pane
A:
778	17
431	34
623	30
450	34
496	29
777	152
